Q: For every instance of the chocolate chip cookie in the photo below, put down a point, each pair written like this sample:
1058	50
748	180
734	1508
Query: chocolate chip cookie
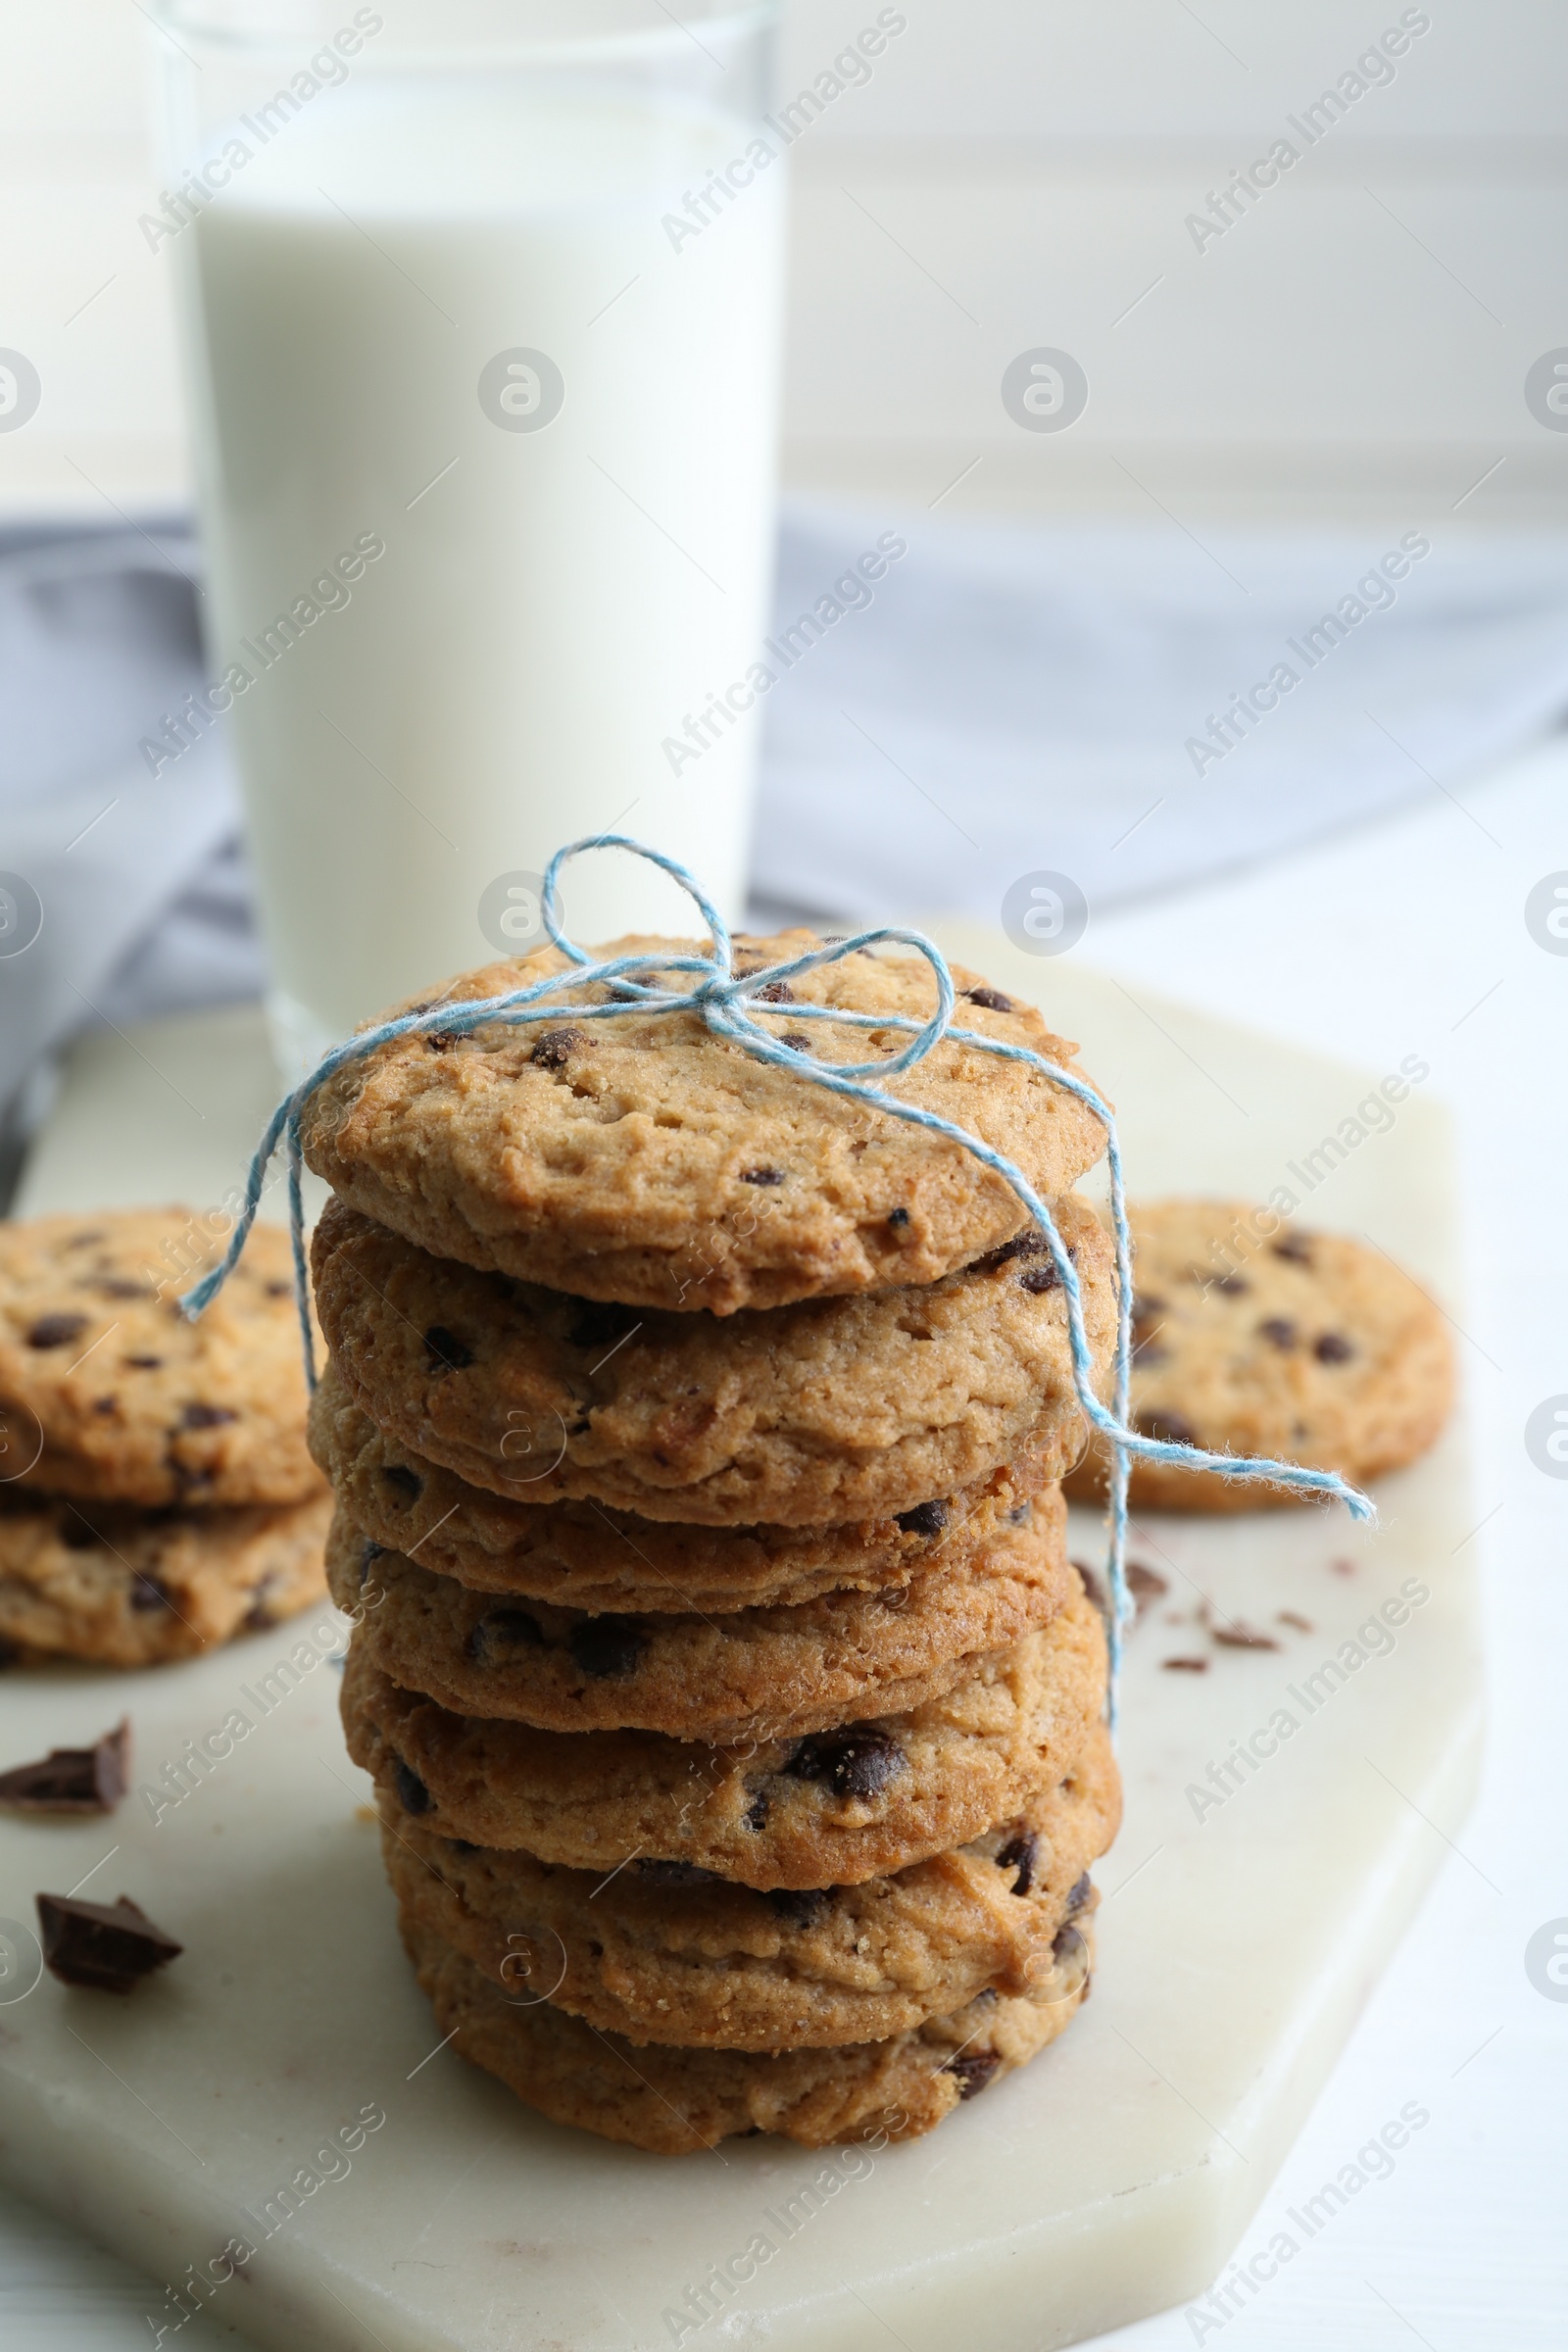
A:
831	1409
677	2101
645	1160
827	1810
127	1588
751	1674
586	1557
108	1392
1255	1336
666	1953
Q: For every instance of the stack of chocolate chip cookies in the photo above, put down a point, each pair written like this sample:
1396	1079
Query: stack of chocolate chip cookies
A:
156	1494
697	1437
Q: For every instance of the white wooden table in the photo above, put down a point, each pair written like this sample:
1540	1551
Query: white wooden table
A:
1408	939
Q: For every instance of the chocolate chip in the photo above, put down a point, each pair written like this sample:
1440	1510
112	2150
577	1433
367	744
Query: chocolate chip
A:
279	1289
926	1519
462	1845
1230	1286
144	1364
606	1645
77	1533
762	1175
56	1331
1020	1514
1333	1348
412	1794
1145	1305
775	992
441	1041
675	1874
262	1612
447	1352
1027	1243
553	1048
1039	1278
205	1416
898	1216
858	1761
754	1816
504	1628
369	1553
146	1593
113	1286
598	1322
1185	1665
1091	1585
1278	1330
975	2069
1018	1854
1169	1428
799	1906
1294	1247
403	1481
1081	1892
1239	1636
85	1241
990	997
71	1780
107	1948
797	1041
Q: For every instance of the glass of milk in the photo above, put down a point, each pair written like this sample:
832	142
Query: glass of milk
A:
483	305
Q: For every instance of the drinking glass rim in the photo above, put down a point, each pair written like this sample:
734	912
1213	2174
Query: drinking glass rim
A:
190	18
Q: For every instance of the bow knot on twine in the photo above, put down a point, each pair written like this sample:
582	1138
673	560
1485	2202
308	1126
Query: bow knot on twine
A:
725	999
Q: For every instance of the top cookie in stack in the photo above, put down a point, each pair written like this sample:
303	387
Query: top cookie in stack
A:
696	1434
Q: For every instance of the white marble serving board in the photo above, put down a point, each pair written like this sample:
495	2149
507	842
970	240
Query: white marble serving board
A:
1111	2178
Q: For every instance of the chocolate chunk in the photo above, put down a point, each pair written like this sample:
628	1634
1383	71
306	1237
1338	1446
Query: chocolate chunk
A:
990	997
502	1630
975	2069
1185	1665
71	1780
1081	1892
898	1216
1278	1330
858	1761
1294	1247
205	1416
797	1041
553	1048
404	1481
926	1519
56	1331
754	1816
1018	1854
799	1906
775	992
144	1364
1145	1585
599	1322
1239	1636
1169	1427
762	1175
1040	1278
447	1352
1027	1243
1333	1348
676	1874
1230	1286
606	1645
412	1794
146	1593
107	1948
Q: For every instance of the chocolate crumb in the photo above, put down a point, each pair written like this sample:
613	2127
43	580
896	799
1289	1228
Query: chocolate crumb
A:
1018	1854
554	1048
1240	1636
73	1779
1302	1625
56	1331
1343	1567
926	1519
106	1947
990	997
1333	1348
1185	1665
605	1646
1145	1585
975	2069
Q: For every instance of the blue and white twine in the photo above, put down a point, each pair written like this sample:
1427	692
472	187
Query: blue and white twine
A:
725	1003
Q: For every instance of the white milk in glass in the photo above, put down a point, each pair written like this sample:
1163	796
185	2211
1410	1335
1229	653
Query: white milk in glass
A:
467	640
